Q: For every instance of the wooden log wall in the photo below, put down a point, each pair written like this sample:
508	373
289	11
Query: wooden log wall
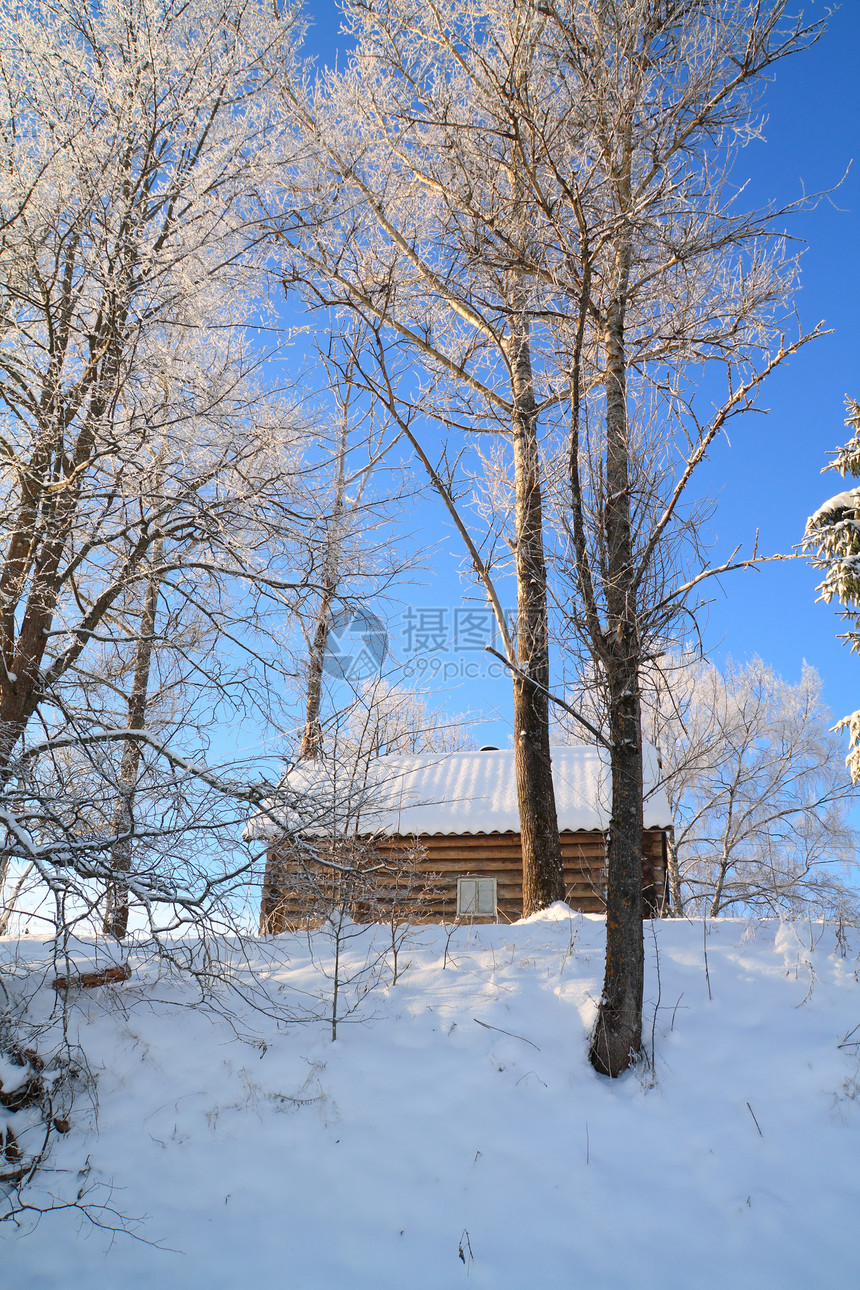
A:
415	879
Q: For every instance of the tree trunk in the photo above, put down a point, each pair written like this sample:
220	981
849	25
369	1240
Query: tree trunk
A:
117	907
311	747
726	852
617	1036
543	876
675	895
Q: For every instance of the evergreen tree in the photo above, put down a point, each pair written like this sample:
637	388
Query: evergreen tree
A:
833	537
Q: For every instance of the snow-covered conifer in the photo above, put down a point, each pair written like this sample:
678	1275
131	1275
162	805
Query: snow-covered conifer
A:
833	539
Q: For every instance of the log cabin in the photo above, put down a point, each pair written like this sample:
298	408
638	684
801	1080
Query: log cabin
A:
436	838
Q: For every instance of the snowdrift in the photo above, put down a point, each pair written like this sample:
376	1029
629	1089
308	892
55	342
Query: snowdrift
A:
454	1133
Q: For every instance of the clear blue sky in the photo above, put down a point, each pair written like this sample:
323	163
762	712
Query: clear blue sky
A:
769	478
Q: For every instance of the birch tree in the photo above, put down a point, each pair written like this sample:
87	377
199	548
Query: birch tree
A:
349	565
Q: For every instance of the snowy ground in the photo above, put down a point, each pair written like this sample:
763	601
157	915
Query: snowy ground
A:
423	1150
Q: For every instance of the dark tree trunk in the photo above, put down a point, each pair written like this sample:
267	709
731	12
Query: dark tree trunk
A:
617	1036
543	877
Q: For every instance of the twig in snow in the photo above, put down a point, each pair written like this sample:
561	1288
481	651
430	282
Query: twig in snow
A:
705	952
510	1033
675	1009
659	998
755	1121
537	1077
464	1250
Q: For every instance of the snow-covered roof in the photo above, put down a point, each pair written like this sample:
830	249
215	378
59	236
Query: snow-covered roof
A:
453	793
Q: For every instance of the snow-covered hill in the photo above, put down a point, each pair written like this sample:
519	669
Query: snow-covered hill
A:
454	1134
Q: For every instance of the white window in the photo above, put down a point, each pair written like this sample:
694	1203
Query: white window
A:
476	896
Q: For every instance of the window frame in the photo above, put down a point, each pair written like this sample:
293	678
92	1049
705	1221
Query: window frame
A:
475	910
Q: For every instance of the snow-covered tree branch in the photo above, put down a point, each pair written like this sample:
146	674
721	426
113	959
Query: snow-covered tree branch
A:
832	539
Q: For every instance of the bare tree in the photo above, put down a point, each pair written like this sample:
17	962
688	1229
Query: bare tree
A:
112	251
384	233
758	790
533	202
142	458
648	270
350	539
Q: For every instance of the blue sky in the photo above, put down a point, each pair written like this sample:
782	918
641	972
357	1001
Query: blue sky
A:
768	478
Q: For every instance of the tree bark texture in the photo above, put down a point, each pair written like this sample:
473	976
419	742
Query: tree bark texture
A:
617	1036
543	878
311	747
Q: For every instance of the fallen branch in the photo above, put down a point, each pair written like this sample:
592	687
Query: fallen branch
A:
87	980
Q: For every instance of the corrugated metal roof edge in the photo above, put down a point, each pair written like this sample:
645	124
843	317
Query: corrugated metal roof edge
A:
478	833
